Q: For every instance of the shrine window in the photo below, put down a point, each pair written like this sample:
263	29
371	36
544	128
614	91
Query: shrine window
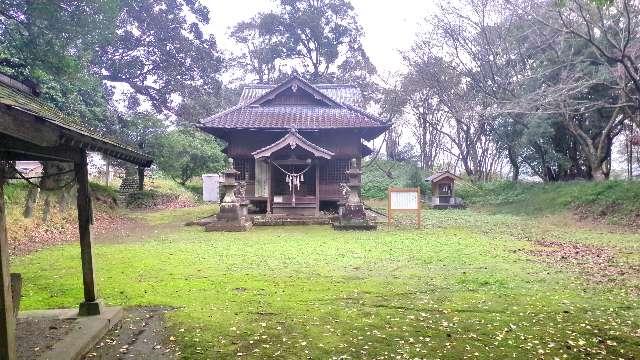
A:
245	168
334	171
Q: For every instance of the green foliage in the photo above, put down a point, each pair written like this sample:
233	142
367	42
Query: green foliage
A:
104	190
149	199
321	40
52	43
378	176
184	153
139	58
618	201
416	178
14	191
73	48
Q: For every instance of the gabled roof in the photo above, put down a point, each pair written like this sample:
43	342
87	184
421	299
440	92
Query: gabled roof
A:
334	107
293	139
16	97
294	83
343	93
442	175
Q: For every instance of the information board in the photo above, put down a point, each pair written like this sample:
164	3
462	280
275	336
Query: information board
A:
403	199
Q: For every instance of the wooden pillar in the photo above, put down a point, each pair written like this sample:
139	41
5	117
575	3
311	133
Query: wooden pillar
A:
7	320
140	178
317	187
91	305
269	187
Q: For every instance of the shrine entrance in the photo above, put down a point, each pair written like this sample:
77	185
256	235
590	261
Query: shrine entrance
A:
294	186
290	168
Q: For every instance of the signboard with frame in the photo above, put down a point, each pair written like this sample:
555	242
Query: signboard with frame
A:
403	200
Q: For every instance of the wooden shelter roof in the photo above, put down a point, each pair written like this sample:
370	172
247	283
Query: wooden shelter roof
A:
334	107
30	119
442	175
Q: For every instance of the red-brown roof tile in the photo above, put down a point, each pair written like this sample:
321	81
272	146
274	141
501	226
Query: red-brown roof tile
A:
336	111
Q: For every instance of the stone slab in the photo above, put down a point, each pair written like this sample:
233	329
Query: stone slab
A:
202	222
228	226
86	332
365	226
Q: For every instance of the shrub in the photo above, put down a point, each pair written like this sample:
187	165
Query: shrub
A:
379	176
149	199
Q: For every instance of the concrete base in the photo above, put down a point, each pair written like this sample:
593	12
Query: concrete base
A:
447	206
202	222
86	330
366	225
284	220
228	226
91	308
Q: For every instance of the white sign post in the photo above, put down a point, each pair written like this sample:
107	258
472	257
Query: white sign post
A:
403	199
211	187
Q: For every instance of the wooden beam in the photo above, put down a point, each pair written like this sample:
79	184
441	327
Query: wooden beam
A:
91	305
27	127
7	320
12	148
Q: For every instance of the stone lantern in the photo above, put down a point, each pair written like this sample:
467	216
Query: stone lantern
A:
232	216
352	215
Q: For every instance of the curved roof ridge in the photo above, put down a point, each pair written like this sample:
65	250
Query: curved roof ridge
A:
293	139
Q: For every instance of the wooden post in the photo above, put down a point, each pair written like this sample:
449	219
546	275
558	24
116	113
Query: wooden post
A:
91	305
419	211
317	187
389	208
7	320
140	178
269	187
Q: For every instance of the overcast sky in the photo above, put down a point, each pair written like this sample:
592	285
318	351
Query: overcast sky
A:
389	25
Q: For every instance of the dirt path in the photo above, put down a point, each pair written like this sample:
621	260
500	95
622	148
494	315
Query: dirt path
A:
132	231
141	334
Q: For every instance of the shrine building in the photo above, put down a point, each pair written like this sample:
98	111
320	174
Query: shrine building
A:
292	143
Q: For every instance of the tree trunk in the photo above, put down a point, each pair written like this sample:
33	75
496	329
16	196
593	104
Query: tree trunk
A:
30	201
46	211
597	173
392	144
107	177
515	166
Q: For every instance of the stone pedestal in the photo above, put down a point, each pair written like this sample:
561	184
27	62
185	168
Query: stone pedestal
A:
352	214
90	308
233	214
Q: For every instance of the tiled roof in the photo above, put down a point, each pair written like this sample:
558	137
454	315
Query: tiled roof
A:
339	109
287	117
11	96
342	93
441	175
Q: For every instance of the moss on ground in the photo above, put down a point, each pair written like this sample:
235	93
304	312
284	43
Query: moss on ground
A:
464	286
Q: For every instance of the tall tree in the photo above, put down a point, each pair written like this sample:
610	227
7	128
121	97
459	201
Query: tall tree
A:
160	52
324	34
319	39
263	47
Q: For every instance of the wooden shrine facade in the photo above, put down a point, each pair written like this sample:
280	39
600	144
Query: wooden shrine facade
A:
32	130
292	143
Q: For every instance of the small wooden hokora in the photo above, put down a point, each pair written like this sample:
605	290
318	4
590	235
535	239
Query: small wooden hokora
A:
232	215
352	215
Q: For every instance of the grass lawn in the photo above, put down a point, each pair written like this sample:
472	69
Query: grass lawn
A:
465	286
